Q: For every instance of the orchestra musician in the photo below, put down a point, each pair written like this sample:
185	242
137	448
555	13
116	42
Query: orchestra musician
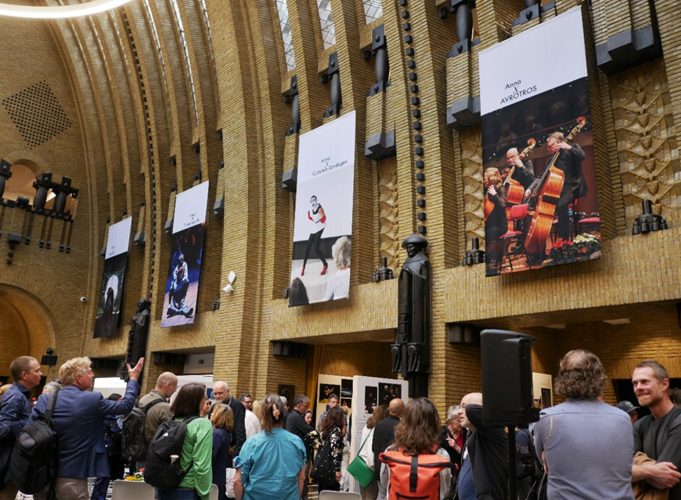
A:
524	170
569	160
496	224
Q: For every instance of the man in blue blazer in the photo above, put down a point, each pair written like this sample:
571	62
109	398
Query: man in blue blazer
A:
79	423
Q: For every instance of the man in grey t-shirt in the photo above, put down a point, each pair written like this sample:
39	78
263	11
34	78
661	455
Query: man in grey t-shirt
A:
586	445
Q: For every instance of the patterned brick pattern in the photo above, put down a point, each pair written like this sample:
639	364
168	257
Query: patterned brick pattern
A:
130	115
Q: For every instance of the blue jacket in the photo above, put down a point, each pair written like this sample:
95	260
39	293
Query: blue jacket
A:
79	422
15	409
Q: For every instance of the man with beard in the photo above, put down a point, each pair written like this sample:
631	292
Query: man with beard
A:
658	435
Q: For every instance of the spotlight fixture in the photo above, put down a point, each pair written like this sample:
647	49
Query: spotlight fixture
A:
474	255
49	359
648	221
383	272
61	11
231	278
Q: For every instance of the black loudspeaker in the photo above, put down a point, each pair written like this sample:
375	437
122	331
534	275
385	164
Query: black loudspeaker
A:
506	359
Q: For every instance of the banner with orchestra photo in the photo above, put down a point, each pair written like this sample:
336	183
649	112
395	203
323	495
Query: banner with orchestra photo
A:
540	198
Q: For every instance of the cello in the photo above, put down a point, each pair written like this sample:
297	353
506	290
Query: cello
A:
546	195
514	190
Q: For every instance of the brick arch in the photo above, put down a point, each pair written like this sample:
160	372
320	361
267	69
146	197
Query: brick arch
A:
27	327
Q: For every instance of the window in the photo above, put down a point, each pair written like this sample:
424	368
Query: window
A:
285	25
372	10
326	20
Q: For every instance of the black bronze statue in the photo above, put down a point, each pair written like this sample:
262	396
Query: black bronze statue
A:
137	337
411	350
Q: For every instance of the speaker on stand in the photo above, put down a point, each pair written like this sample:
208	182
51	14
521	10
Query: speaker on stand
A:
506	362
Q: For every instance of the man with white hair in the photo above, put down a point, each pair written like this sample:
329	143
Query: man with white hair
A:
221	394
79	423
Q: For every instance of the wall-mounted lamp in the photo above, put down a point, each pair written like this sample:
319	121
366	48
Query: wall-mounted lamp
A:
231	278
49	359
474	255
648	221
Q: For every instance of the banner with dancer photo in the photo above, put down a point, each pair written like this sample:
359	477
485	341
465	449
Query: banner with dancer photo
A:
108	317
540	197
184	270
322	237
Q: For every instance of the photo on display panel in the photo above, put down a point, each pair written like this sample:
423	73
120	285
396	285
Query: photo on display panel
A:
108	316
184	271
370	399
326	390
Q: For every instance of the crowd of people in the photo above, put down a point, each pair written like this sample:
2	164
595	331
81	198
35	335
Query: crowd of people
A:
581	448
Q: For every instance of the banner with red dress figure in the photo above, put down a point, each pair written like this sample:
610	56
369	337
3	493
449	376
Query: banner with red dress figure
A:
540	198
184	270
108	317
322	237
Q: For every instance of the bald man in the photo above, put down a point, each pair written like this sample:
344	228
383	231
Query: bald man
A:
484	468
157	404
384	432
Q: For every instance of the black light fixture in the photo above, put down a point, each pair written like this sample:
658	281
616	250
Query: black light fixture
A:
5	174
474	255
49	358
384	272
648	221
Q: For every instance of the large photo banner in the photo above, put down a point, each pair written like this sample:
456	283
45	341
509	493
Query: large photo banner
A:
184	270
108	317
322	238
540	198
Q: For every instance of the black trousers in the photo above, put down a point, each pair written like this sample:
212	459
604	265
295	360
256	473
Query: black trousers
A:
313	243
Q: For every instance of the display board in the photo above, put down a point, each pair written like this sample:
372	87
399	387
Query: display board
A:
540	198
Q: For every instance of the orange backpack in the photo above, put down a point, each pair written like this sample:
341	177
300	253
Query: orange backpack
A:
414	476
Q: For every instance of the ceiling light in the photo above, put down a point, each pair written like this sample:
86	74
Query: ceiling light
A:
619	321
61	11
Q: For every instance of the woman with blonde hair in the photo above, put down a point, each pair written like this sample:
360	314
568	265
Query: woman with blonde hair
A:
271	464
223	424
366	447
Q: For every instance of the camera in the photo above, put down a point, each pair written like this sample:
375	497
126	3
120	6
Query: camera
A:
83	299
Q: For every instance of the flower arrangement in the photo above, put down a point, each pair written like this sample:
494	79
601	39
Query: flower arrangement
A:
580	248
587	243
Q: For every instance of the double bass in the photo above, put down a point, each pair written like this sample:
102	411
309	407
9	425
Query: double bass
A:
546	196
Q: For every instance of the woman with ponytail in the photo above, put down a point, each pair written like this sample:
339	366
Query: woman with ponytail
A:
271	464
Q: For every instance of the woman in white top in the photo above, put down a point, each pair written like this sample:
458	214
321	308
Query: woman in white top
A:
338	286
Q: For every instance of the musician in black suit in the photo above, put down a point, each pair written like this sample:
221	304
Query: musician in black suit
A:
570	158
524	170
496	223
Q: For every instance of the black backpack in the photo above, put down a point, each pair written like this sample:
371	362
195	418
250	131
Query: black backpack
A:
133	445
161	469
33	463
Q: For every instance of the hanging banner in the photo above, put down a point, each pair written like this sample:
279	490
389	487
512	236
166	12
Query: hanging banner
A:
322	239
108	317
540	197
184	271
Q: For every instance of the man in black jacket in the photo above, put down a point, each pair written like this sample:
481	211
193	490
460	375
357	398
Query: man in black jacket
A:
384	433
295	424
222	395
484	469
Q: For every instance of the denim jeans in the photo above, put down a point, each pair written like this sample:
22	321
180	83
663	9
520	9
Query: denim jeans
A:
177	494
